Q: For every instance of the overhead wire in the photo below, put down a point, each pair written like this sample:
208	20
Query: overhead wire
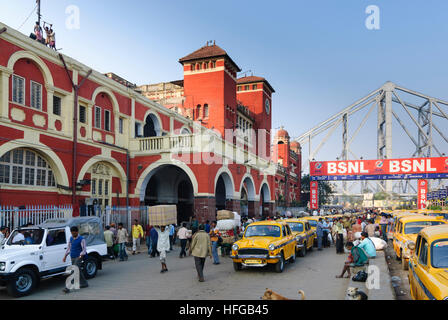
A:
27	18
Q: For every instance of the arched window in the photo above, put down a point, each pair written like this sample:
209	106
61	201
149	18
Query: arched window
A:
193	67
101	184
25	167
198	111
205	110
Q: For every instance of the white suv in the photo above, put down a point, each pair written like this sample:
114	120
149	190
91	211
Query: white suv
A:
23	263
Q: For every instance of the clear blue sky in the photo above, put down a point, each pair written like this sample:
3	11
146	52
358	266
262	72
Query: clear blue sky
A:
318	55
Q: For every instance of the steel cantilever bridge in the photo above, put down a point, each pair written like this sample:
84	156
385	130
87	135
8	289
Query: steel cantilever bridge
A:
420	118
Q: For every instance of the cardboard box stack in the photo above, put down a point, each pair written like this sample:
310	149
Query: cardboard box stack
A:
162	215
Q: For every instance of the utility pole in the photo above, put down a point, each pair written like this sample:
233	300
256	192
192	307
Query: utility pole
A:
38	11
76	88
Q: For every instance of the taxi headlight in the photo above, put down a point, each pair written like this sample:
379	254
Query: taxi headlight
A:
235	247
271	247
2	266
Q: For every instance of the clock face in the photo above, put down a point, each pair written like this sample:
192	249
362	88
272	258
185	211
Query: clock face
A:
267	106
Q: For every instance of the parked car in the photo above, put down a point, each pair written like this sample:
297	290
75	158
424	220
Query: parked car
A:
304	234
24	263
428	265
263	243
406	231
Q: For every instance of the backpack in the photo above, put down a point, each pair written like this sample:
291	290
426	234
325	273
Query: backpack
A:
361	276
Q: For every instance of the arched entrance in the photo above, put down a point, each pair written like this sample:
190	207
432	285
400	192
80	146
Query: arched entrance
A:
223	191
152	127
265	199
169	184
247	197
244	203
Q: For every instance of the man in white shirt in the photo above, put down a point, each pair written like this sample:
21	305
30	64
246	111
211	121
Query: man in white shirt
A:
18	237
182	234
2	235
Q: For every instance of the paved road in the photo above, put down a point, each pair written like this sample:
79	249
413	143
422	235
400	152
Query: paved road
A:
140	278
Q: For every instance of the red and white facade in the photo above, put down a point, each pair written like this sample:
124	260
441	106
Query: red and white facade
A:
130	150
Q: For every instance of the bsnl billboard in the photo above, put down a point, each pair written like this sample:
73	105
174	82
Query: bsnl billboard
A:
384	169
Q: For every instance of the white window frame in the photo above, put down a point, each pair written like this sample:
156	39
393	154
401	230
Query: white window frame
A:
31	94
49	173
120	125
60	106
108	118
96	120
85	114
23	92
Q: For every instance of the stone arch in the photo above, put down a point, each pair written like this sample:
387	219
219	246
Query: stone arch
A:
251	195
16	56
146	175
265	191
115	105
228	181
110	161
56	164
157	121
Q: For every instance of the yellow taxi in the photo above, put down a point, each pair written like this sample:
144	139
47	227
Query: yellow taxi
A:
428	265
263	243
304	234
398	216
313	220
406	231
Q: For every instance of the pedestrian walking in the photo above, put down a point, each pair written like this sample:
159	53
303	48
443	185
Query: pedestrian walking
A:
109	238
207	226
154	239
325	231
339	231
320	233
148	238
214	238
77	250
163	245
137	234
383	224
122	238
194	225
172	236
200	249
182	234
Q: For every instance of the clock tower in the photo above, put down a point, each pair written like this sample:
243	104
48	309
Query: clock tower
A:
256	94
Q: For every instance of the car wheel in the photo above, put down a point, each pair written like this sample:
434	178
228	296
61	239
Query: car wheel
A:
23	283
404	264
237	266
302	251
280	265
90	267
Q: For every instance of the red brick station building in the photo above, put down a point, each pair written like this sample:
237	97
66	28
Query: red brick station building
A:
147	145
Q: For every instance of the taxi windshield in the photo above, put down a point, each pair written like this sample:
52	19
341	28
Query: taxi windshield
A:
296	226
439	254
26	237
416	226
262	231
313	223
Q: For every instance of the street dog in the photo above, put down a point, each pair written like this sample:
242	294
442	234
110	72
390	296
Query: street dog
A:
271	295
356	294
